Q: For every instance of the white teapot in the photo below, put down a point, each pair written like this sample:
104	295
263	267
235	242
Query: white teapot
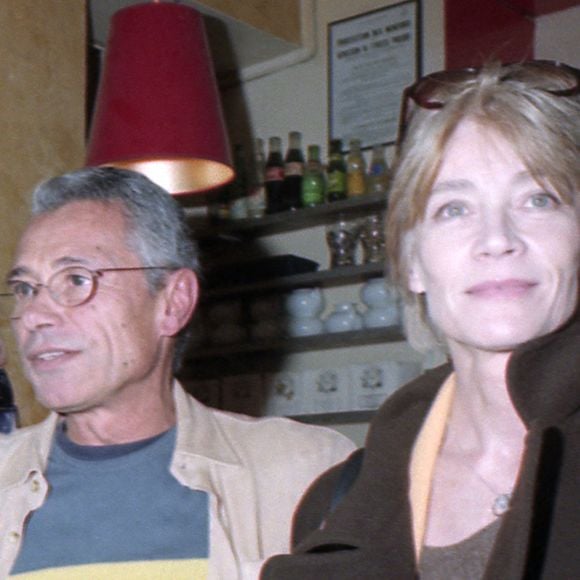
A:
344	317
381	300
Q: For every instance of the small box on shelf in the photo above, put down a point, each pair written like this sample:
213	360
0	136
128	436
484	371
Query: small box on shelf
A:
375	382
284	394
327	390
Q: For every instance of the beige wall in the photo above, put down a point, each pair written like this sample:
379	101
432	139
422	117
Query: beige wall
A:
42	103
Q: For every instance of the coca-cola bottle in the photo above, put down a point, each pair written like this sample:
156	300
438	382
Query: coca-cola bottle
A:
293	172
274	176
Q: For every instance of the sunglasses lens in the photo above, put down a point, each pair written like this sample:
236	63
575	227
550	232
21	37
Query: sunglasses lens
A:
553	77
433	91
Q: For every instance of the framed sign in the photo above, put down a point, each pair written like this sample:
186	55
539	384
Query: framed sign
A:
372	57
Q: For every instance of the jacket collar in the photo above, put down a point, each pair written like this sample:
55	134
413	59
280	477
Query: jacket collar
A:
198	433
202	449
198	436
367	517
543	383
543	376
26	451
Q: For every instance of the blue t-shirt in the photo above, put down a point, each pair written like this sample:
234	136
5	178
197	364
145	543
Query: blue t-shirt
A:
116	511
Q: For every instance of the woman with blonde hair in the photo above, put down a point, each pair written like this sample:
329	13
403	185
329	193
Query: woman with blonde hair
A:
472	471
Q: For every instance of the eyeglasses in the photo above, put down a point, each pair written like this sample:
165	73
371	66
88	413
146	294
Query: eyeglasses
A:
68	287
434	91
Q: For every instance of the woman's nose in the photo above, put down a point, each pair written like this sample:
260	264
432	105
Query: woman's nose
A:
498	236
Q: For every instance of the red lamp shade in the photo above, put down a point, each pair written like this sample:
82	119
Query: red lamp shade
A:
158	108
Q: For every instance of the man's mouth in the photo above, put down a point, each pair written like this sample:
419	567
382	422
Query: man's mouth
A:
50	355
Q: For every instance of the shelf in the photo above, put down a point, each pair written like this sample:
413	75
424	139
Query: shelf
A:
365	337
288	220
325	278
335	417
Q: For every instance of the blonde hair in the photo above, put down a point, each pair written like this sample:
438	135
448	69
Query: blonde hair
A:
513	101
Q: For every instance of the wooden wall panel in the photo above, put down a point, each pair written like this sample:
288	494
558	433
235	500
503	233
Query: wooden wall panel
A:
278	17
42	118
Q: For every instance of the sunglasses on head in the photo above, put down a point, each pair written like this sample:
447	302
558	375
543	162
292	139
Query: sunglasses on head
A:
434	90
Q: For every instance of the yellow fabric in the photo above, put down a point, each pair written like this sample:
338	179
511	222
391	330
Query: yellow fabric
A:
150	570
423	458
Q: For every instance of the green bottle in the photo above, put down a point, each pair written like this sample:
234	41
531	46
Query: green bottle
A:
313	184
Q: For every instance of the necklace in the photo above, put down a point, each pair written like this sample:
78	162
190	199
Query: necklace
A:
501	502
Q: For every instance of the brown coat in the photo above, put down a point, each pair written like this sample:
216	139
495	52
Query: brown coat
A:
369	534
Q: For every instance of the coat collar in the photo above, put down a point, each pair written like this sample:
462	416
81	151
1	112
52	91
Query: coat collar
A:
543	376
366	517
543	383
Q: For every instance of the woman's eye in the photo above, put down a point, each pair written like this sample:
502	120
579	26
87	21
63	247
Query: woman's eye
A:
453	209
543	201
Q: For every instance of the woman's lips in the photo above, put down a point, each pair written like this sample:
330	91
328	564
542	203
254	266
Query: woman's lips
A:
511	288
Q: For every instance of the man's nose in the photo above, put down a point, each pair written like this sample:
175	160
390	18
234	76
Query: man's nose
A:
38	310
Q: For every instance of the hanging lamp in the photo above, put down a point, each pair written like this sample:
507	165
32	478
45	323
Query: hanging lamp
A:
158	108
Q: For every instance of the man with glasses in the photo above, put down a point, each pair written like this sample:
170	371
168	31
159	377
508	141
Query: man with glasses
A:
129	474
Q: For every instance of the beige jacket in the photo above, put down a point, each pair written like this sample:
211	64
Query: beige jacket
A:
254	470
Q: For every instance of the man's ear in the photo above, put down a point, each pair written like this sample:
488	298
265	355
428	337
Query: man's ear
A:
180	297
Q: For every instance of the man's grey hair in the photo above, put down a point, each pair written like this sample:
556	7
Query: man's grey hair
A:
157	228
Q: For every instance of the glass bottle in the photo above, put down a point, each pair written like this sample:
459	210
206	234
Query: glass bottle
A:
342	240
293	172
8	410
336	172
355	170
219	205
372	237
378	180
239	186
257	192
274	176
313	185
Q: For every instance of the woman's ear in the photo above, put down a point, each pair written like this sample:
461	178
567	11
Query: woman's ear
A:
415	274
180	294
416	277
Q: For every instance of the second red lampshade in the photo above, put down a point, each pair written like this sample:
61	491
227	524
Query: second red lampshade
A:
158	108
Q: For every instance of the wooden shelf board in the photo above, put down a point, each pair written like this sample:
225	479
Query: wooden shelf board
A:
286	220
335	417
329	341
332	277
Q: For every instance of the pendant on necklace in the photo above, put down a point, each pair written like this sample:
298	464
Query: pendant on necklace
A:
501	504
